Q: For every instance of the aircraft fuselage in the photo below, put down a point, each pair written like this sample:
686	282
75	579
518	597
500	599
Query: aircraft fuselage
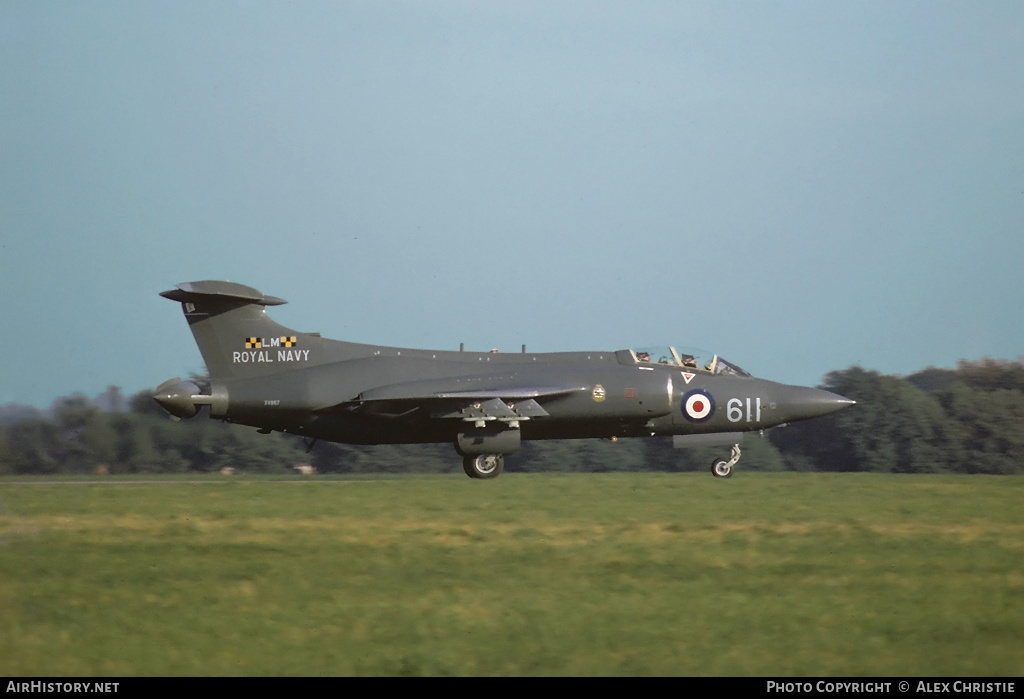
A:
276	379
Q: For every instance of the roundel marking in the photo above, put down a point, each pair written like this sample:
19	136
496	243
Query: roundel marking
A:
698	406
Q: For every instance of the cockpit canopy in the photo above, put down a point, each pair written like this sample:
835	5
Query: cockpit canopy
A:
687	358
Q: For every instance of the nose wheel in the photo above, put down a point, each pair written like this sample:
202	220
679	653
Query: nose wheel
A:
722	468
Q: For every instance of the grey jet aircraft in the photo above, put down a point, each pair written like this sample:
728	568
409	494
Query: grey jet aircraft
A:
274	378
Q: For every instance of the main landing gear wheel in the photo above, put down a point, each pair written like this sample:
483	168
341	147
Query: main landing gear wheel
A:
722	468
483	465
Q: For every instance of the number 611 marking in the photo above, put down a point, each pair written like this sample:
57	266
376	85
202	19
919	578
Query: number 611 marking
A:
734	410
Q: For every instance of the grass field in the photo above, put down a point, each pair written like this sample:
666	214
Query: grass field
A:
599	574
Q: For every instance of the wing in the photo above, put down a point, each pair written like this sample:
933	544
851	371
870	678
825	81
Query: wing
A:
473	398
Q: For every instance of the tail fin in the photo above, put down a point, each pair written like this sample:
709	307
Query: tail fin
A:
235	336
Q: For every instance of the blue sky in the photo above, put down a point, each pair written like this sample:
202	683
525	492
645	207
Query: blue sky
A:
800	187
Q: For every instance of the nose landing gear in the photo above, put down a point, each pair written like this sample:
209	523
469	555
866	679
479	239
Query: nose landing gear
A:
723	469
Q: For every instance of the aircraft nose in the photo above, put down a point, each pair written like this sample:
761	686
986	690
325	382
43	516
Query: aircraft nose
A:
803	403
825	402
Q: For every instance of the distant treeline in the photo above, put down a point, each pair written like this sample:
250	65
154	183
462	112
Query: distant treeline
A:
967	420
